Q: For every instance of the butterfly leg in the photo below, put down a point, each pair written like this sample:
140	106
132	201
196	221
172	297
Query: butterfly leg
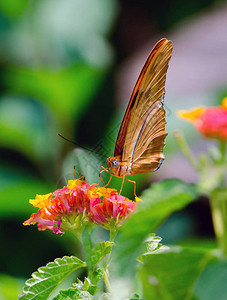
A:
76	172
111	176
134	185
100	178
106	170
123	179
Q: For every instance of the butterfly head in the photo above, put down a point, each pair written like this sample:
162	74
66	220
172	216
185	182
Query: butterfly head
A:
113	163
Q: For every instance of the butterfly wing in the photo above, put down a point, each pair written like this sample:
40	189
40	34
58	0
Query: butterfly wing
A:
147	155
141	137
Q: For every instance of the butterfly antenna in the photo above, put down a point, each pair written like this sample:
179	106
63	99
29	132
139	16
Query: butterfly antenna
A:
61	136
78	145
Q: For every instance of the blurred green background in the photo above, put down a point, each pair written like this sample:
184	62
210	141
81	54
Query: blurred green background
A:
62	70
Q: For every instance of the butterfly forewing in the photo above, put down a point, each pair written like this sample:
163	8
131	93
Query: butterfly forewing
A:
141	137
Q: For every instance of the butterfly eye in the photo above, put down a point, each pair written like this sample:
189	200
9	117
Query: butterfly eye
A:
115	163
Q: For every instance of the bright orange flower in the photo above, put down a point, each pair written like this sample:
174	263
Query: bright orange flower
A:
211	122
79	203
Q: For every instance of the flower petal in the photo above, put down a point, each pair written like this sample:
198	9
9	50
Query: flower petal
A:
80	201
211	122
192	114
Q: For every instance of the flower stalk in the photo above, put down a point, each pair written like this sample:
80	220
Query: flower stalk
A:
113	234
185	149
86	241
211	122
218	202
222	150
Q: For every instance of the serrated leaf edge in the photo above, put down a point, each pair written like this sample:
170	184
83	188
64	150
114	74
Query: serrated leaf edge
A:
36	278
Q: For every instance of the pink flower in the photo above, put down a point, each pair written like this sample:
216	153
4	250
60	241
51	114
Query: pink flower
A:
77	204
211	122
111	211
69	206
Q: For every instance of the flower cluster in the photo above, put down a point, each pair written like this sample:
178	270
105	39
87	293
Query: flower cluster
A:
211	122
77	204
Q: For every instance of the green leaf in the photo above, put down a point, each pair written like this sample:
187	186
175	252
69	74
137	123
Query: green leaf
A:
100	251
73	294
9	287
28	129
212	282
98	275
170	274
14	198
70	32
65	92
88	164
47	278
136	297
88	286
150	245
158	202
13	9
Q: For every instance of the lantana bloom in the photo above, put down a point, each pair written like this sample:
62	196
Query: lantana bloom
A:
211	122
77	204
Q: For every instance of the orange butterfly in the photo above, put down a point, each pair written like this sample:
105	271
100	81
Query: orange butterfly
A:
141	138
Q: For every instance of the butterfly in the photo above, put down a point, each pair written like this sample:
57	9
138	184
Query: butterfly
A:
141	138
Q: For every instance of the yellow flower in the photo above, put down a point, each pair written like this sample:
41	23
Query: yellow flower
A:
211	122
72	184
97	192
224	103
138	199
192	114
41	201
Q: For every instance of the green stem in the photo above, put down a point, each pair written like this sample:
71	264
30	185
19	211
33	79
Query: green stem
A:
219	216
75	232
106	280
222	163
113	234
223	151
185	149
86	240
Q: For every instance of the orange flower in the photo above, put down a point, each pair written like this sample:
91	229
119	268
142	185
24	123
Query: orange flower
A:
211	122
77	204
